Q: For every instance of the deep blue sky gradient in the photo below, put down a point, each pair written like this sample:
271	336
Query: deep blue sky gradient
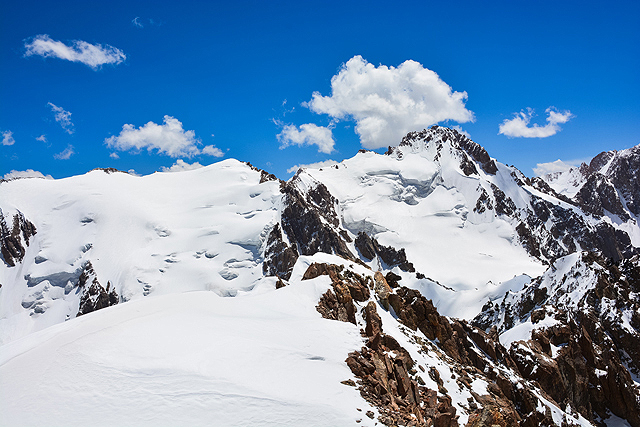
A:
226	69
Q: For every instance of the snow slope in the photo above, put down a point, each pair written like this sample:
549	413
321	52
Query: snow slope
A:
158	234
427	208
263	360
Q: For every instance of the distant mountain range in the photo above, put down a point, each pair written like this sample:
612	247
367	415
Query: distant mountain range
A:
429	286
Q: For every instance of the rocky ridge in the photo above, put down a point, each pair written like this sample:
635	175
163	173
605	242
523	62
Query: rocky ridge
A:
608	185
575	331
548	227
410	387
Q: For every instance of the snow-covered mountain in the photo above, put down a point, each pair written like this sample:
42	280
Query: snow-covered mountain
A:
431	285
607	187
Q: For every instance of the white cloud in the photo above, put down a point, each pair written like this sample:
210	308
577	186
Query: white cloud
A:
387	102
93	55
317	165
136	22
169	138
29	173
551	167
180	165
63	117
212	150
114	156
558	166
7	138
307	134
518	127
65	154
42	138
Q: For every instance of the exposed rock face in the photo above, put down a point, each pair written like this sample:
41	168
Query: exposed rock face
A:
550	231
264	175
599	194
548	228
11	240
468	147
94	295
610	182
311	224
109	170
388	376
620	170
624	174
587	357
390	382
337	304
370	248
279	256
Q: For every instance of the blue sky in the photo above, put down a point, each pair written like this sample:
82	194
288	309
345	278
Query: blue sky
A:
147	85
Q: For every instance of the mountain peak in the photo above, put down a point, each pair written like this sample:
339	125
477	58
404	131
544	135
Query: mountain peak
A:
436	137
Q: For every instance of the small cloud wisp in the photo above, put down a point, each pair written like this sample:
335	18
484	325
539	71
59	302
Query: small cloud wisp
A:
92	55
518	127
63	117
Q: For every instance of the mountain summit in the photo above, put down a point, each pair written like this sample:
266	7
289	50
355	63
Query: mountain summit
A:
430	285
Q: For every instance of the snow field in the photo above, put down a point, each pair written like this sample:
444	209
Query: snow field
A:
266	359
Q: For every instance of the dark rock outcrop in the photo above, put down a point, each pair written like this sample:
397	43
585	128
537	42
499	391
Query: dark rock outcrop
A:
370	248
587	357
617	170
389	381
337	303
11	240
311	224
599	194
389	378
469	149
279	256
550	231
94	295
264	175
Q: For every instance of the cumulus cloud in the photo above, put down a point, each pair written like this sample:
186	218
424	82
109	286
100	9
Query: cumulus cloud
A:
387	102
7	138
65	154
93	55
317	165
307	134
29	173
63	117
169	139
180	165
42	138
518	127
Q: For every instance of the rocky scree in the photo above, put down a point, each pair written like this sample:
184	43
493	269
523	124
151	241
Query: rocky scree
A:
391	380
587	356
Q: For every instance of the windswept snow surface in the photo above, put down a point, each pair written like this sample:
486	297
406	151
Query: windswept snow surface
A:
152	235
189	359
